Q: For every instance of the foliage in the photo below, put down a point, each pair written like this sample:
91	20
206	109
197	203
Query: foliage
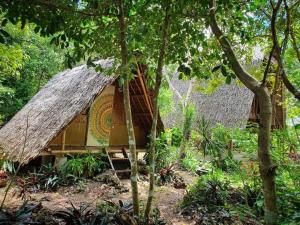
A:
215	194
73	166
215	142
91	28
209	190
166	147
87	165
176	136
239	188
23	215
192	159
121	214
27	62
165	175
8	166
165	102
81	216
46	178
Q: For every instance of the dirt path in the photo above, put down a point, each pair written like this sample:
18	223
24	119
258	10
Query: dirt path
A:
167	198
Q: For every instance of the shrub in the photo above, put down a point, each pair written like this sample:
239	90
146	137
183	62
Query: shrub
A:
73	166
166	152
81	215
176	136
23	215
191	162
87	165
210	190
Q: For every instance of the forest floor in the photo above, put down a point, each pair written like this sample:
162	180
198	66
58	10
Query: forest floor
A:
167	198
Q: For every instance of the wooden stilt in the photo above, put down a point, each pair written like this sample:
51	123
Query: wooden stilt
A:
59	157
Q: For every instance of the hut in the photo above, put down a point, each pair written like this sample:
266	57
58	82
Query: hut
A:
229	105
232	105
78	111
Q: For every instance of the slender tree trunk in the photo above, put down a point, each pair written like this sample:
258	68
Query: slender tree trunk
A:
128	115
188	112
158	79
185	137
266	167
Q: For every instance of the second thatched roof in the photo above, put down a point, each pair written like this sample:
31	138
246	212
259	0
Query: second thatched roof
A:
229	105
66	95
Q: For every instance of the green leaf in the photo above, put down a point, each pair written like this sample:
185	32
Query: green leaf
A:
216	68
224	71
2	40
63	37
228	80
36	29
52	40
121	81
233	76
297	126
5	34
4	22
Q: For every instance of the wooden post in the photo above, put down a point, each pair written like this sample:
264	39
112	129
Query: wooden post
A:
87	126
63	140
144	91
59	156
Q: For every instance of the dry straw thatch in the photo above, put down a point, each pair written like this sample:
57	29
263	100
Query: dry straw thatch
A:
50	110
229	105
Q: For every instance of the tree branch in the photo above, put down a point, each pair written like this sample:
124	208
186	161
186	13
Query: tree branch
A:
268	65
278	53
249	81
287	28
158	79
294	43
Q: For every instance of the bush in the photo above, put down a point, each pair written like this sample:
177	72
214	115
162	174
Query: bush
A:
87	165
22	215
191	162
166	148
244	174
215	200
210	190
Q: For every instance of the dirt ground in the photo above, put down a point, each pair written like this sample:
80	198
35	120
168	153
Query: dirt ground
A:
167	198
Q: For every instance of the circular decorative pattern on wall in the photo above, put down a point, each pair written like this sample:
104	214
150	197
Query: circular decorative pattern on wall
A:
101	117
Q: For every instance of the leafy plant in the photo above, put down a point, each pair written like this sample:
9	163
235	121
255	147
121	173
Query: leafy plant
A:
27	62
81	216
166	153
165	174
87	165
23	215
47	178
189	114
176	136
74	166
9	166
209	190
191	162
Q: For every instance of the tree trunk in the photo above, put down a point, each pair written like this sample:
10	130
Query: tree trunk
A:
127	107
184	140
278	108
158	79
188	112
266	167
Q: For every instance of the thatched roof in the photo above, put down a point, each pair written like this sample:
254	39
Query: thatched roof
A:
229	105
50	110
